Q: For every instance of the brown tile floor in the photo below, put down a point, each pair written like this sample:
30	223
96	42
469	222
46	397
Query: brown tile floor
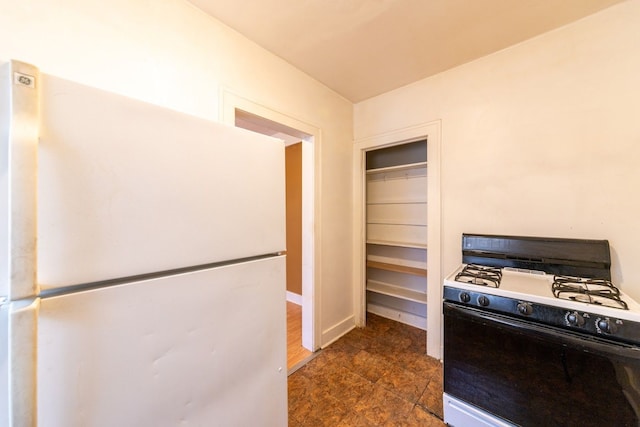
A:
373	376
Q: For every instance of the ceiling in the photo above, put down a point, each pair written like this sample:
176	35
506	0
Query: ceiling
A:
362	48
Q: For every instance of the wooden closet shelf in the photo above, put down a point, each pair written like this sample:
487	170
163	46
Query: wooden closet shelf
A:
398	168
397	268
396	291
396	244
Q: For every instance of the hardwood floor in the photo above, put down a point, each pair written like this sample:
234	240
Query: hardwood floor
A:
295	352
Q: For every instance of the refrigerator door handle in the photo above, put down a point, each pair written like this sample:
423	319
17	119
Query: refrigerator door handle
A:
22	349
21	156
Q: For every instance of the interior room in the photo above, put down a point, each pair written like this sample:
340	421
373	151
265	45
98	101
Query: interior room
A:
411	130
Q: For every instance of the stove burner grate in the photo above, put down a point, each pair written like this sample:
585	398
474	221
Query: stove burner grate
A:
480	275
591	291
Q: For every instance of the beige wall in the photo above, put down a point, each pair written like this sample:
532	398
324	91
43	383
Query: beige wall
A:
169	53
539	139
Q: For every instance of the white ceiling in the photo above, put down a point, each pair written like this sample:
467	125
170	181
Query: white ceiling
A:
362	48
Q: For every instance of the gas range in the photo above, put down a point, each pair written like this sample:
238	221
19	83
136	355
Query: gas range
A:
534	332
529	294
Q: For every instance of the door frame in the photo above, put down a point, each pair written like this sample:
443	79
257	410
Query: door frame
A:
431	132
311	244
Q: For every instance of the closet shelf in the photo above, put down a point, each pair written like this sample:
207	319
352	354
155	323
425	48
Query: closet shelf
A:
398	268
421	265
396	222
397	244
396	291
397	202
397	168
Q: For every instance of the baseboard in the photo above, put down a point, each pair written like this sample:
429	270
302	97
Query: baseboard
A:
398	316
294	298
337	331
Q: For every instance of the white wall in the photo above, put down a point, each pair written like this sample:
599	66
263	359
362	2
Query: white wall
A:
169	53
539	139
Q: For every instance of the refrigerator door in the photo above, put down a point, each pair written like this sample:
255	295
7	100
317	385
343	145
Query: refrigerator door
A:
206	348
127	188
18	350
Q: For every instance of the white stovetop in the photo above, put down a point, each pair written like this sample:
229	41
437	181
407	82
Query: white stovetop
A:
536	288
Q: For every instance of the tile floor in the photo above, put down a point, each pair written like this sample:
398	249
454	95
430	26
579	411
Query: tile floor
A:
373	376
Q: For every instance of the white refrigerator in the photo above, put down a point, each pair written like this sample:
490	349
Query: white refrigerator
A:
142	263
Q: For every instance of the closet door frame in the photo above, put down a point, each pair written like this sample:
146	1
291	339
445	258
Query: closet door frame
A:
431	132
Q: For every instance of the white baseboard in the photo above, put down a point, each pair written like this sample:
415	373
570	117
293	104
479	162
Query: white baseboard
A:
337	331
294	298
399	316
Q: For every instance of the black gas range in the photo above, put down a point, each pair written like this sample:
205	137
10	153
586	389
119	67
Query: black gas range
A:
531	322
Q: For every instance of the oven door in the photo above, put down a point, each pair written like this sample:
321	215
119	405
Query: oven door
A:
533	375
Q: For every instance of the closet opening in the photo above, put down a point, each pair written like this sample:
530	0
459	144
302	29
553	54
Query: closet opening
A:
397	243
396	232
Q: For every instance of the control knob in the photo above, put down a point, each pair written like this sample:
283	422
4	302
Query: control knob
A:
575	319
465	297
483	300
605	325
524	308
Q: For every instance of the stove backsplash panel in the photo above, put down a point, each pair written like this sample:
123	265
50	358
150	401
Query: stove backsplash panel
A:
571	257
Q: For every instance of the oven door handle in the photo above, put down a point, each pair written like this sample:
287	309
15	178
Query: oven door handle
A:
589	343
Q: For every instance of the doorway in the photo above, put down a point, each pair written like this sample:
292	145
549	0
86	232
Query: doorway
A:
431	133
243	113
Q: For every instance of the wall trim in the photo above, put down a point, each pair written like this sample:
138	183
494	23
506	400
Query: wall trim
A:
398	316
294	298
337	331
311	253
